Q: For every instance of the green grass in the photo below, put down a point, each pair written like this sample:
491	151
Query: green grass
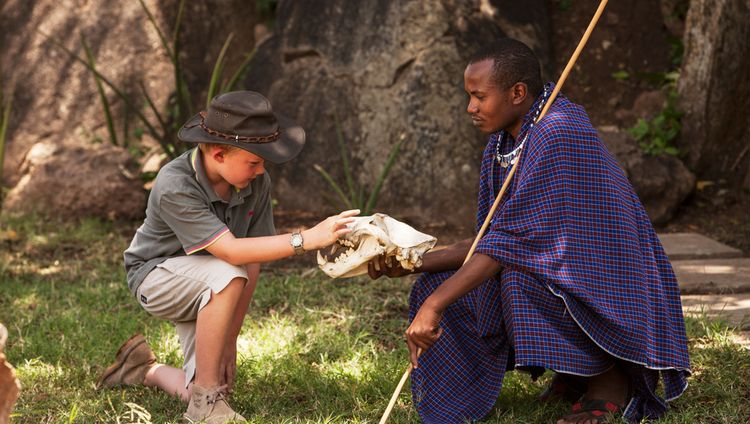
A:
311	350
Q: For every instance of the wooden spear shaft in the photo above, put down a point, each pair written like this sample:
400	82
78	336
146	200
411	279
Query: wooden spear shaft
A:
506	183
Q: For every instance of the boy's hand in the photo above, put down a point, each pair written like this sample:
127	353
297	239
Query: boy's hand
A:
328	231
378	267
228	366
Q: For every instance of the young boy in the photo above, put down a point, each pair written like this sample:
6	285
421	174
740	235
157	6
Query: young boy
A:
570	275
196	258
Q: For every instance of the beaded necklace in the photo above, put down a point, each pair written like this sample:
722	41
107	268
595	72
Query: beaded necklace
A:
511	158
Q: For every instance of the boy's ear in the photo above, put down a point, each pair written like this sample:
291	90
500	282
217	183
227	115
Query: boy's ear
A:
519	92
218	154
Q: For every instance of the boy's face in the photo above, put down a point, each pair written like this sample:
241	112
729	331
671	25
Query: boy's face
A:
491	108
239	167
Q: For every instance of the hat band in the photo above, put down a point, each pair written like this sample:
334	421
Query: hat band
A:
245	139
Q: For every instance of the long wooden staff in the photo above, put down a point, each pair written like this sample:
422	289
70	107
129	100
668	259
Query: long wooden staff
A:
506	183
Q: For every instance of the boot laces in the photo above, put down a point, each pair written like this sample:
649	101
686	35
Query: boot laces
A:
216	395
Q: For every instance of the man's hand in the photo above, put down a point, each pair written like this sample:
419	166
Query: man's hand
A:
378	267
423	331
228	366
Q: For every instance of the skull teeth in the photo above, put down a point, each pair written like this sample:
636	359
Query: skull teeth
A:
344	256
371	237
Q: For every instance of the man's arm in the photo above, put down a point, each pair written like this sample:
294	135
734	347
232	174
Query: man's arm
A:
438	260
425	328
445	259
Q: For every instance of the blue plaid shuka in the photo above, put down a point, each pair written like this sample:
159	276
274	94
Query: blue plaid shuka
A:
585	281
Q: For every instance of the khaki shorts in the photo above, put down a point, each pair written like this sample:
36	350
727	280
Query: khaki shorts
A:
180	287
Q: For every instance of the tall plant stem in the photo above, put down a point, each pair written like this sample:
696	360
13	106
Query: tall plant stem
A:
100	90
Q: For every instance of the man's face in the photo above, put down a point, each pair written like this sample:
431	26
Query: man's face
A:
491	107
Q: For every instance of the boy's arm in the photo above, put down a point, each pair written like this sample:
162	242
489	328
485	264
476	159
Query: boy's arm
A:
241	251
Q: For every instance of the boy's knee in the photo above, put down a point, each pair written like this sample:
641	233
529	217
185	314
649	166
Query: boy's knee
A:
236	284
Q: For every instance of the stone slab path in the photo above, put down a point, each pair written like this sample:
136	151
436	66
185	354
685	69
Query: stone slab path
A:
695	246
713	276
714	280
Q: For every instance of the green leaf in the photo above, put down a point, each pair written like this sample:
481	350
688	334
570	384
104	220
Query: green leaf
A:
621	75
344	152
5	108
671	150
100	90
244	66
383	174
640	129
326	176
218	69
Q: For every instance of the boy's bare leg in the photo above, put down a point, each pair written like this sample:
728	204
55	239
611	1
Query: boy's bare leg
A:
228	367
169	379
212	330
172	380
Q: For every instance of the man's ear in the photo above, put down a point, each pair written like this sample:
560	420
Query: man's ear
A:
519	92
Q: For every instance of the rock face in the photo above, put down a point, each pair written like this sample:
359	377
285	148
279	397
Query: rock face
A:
402	76
55	97
386	69
714	89
73	182
661	182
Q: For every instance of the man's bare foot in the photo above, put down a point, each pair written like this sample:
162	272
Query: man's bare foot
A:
606	395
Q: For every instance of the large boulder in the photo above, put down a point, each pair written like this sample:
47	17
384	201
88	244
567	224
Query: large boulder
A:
388	70
55	97
661	182
72	182
714	89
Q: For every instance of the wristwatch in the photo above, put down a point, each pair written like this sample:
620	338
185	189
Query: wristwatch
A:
297	243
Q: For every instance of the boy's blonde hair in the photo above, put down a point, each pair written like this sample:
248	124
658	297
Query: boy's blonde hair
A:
227	148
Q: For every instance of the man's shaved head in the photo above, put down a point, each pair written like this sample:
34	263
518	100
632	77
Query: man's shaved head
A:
513	62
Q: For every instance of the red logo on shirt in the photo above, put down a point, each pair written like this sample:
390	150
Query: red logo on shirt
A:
249	214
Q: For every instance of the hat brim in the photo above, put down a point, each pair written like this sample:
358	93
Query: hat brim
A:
286	148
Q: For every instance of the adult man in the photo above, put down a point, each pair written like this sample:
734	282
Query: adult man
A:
569	277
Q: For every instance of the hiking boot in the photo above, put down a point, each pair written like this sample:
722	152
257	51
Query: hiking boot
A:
133	360
210	406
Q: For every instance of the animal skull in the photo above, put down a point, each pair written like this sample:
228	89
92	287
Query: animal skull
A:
372	236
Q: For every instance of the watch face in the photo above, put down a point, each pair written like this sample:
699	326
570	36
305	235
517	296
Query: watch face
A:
296	240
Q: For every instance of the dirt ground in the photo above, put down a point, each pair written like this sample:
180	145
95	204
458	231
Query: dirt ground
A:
718	212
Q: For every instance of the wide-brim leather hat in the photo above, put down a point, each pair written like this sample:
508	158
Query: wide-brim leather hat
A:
246	120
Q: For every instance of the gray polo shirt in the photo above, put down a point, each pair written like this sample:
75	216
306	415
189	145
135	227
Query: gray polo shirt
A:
184	215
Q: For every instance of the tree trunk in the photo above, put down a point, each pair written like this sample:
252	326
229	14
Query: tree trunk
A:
714	90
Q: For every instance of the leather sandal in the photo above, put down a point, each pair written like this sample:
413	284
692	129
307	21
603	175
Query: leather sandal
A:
597	410
564	387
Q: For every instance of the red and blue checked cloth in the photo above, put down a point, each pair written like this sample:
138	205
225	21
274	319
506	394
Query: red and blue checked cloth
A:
585	280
